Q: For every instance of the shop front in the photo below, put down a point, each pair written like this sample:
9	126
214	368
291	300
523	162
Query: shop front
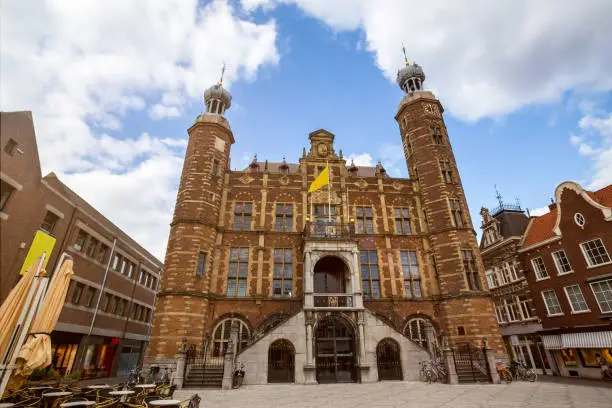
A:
64	347
98	357
577	354
529	349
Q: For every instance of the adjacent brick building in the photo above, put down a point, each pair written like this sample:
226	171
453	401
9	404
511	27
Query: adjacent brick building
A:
502	231
566	255
345	283
104	326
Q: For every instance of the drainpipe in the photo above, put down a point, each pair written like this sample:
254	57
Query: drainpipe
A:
110	259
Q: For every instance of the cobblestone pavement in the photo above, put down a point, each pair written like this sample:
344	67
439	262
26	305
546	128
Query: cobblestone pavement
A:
408	394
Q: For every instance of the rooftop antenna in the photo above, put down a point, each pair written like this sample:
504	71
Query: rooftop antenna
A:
499	197
518	202
405	57
222	72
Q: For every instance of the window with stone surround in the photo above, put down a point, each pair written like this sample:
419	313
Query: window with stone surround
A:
595	252
410	271
471	270
48	224
237	274
447	171
369	274
436	134
500	313
603	294
365	220
553	308
79	243
6	191
526	305
92	246
283	272
576	299
284	217
491	279
243	214
539	268
76	293
561	262
201	264
90	294
456	212
402	221
214	168
221	336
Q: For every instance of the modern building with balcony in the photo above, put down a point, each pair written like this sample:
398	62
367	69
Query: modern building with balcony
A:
104	326
355	282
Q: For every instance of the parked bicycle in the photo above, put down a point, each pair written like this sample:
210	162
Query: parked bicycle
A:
238	376
504	372
135	377
522	373
427	372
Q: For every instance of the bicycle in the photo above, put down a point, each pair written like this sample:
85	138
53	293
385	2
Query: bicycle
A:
504	372
521	372
439	369
426	373
135	377
238	376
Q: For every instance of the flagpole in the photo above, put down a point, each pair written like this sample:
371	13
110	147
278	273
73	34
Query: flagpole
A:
328	190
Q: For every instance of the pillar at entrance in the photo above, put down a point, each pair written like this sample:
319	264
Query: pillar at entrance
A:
181	359
449	361
229	358
490	355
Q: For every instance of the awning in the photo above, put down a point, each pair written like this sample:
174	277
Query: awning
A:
552	342
601	339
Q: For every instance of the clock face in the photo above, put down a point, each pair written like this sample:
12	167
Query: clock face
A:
433	109
322	148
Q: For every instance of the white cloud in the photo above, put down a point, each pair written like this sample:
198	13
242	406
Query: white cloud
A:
482	58
595	142
159	111
82	66
539	211
360	159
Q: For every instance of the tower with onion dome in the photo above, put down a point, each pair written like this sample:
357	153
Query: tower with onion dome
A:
192	247
466	310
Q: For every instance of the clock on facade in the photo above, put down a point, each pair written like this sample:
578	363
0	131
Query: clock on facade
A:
433	109
322	149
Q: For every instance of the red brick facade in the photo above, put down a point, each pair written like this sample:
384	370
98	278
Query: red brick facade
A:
205	221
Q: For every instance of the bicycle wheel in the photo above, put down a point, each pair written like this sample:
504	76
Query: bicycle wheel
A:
530	375
505	376
430	376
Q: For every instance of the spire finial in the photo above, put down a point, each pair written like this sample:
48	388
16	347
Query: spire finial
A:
499	197
222	72
405	57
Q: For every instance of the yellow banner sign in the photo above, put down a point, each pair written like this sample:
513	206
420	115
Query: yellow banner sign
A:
42	242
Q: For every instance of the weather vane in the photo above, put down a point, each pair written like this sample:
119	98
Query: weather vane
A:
498	196
222	72
405	57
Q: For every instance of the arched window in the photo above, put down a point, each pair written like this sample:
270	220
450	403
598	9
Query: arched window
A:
415	330
221	336
214	106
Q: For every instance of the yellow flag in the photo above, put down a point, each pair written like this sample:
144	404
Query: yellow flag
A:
321	180
42	242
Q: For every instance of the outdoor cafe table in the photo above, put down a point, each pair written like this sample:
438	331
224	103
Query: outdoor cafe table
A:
77	404
145	386
122	394
38	389
164	403
98	387
50	396
7	404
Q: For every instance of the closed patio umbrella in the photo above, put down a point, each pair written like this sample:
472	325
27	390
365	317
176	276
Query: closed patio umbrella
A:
36	352
14	304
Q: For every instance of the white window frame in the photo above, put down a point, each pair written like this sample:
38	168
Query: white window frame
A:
586	257
597	300
569	300
525	309
546	304
491	279
558	265
500	313
535	269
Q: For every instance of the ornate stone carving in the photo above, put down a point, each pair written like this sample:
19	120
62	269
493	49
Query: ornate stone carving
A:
361	183
284	180
321	196
246	179
397	185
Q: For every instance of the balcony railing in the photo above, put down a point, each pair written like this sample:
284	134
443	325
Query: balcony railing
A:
333	300
323	229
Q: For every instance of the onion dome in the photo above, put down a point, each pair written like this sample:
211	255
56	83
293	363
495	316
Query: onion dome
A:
217	99
411	77
284	167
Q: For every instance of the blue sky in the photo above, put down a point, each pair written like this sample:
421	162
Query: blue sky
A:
527	91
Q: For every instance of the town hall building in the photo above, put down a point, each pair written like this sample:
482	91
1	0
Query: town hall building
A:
356	282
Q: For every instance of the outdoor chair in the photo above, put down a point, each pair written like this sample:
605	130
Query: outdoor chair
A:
30	402
166	392
107	403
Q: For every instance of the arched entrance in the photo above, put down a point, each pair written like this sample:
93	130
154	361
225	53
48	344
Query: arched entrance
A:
281	362
330	275
388	360
335	351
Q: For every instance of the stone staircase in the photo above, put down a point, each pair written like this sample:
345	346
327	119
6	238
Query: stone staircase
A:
205	376
466	373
